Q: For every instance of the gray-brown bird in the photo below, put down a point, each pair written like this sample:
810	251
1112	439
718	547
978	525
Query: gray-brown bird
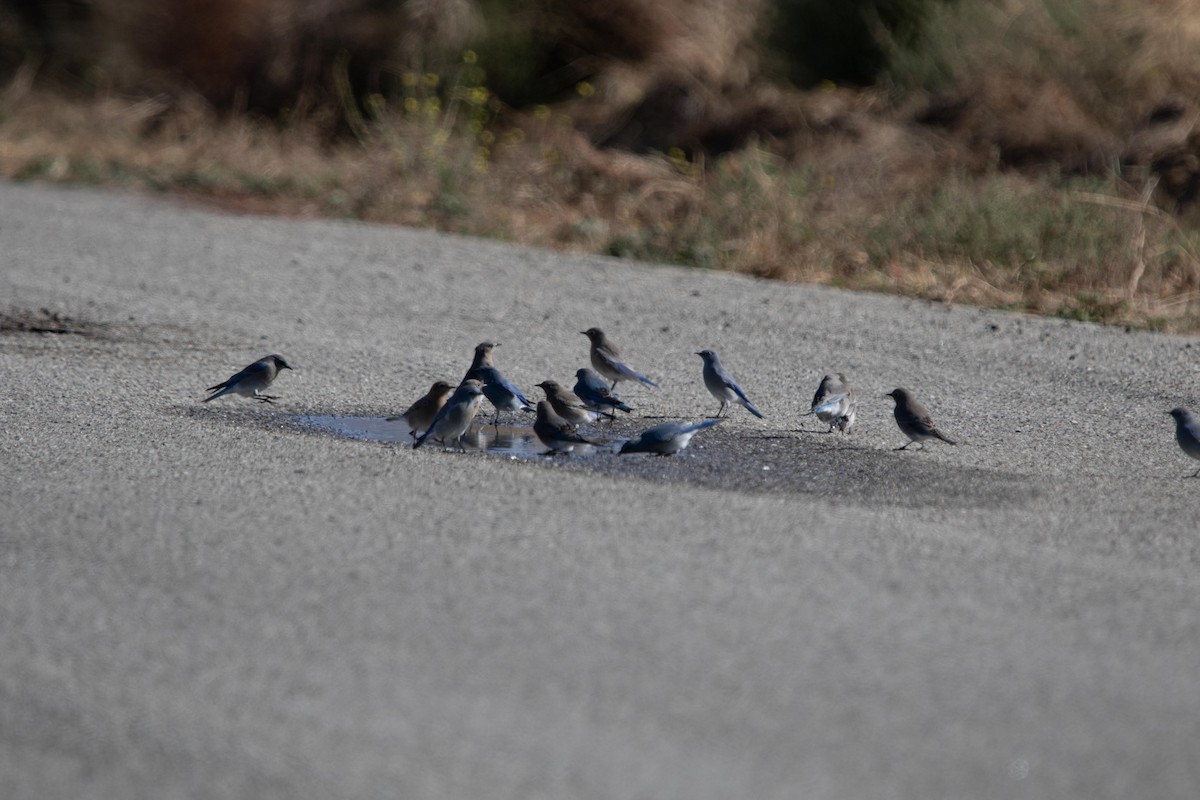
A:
420	414
251	381
554	431
1187	433
606	359
454	418
914	420
566	404
834	403
483	357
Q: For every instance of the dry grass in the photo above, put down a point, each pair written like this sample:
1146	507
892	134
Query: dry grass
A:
1042	177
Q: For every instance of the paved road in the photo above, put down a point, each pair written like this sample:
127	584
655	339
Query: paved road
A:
207	601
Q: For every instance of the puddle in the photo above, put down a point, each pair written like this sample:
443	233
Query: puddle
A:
500	440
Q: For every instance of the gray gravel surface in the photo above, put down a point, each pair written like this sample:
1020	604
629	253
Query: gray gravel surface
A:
213	601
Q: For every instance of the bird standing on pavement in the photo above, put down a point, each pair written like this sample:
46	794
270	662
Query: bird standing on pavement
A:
666	439
914	420
501	393
722	386
251	381
452	421
595	394
419	416
554	431
834	403
1187	433
606	359
566	404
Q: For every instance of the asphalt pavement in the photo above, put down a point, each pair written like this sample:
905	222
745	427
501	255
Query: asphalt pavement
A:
219	601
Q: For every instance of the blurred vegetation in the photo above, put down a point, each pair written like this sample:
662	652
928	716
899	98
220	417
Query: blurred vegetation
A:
1033	154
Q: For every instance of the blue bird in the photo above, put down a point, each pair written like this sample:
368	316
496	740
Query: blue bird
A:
1187	433
722	386
500	392
595	394
606	358
455	417
251	381
666	439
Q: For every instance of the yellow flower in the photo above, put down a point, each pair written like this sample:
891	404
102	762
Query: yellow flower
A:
585	89
469	57
431	80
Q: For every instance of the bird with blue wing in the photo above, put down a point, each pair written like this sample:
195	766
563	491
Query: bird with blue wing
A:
1187	433
455	417
666	439
252	381
595	394
606	359
721	385
500	392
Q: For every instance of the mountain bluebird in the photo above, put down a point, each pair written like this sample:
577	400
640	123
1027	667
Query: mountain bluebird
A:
606	358
554	431
595	394
251	381
666	439
834	403
722	386
452	421
566	404
500	392
914	420
1187	433
420	414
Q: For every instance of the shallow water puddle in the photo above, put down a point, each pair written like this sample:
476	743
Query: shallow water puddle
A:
500	440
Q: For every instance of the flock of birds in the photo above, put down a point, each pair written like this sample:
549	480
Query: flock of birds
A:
445	412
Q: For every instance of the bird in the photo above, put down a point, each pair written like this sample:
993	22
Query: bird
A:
606	358
554	431
420	414
834	403
1187	433
483	357
666	439
595	394
914	420
251	381
501	393
722	386
453	419
566	404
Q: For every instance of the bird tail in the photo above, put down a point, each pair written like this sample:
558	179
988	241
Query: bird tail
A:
750	407
644	379
944	437
421	440
699	426
217	391
623	407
